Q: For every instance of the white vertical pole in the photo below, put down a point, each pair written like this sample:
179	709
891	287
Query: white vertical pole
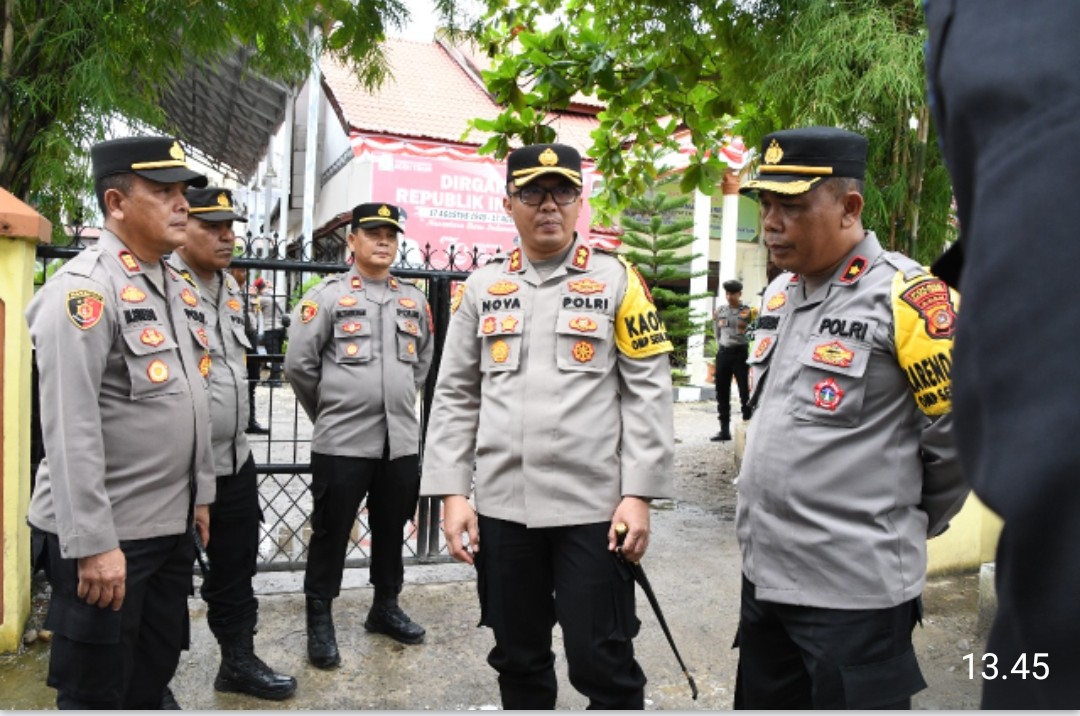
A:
695	348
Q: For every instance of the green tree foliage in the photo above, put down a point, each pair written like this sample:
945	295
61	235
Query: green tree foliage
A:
653	235
69	66
748	66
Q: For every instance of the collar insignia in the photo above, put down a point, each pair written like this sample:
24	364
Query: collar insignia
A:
129	262
853	270
355	283
515	260
581	258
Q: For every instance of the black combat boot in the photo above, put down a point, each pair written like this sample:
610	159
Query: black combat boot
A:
244	673
321	643
386	617
724	434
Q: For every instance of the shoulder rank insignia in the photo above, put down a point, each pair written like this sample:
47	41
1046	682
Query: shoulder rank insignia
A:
853	270
827	394
152	337
503	288
581	258
129	262
776	301
407	302
515	260
586	286
204	365
500	351
308	311
835	353
583	351
132	294
157	371
85	308
392	283
188	297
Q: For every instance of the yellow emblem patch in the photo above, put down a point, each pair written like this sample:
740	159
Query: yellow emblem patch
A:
774	153
352	349
924	313
455	300
639	331
411	328
586	286
407	302
549	158
176	152
223	199
488	326
188	297
515	260
384	210
347	301
581	257
351	327
503	288
509	324
411	348
204	366
130	262
835	353
500	351
233	304
583	324
583	352
157	371
776	301
762	346
152	337
132	294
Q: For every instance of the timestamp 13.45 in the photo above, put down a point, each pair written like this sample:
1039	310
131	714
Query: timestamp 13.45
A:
1035	667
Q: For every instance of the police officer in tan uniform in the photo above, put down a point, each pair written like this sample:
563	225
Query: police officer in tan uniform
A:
729	327
232	609
360	347
120	345
850	463
555	380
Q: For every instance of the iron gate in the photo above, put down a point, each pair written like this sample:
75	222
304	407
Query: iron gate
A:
282	457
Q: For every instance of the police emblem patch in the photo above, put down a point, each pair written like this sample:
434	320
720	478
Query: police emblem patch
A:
776	301
157	371
233	304
583	352
129	262
509	324
835	353
351	327
407	302
411	328
827	394
204	366
308	311
188	297
352	349
488	326
586	286
152	337
132	294
548	157
503	288
500	351
930	298
762	346
774	153
85	308
583	324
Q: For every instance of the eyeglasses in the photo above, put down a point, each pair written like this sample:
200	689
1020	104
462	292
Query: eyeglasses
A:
563	194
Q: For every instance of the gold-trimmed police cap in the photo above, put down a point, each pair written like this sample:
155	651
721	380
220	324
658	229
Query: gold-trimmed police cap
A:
526	163
212	204
794	161
375	214
159	159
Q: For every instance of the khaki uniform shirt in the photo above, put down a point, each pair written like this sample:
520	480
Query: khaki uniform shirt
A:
272	310
124	412
559	389
356	361
229	346
729	325
850	463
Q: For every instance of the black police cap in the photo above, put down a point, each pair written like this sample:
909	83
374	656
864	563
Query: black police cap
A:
159	159
526	163
375	214
213	204
733	286
794	161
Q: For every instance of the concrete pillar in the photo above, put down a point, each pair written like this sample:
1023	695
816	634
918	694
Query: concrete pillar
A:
21	228
729	227
695	349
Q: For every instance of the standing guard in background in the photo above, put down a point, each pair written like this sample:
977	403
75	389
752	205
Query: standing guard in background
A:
128	469
360	349
554	393
232	609
274	321
729	327
850	464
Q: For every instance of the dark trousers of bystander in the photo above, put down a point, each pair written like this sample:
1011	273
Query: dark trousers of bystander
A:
731	363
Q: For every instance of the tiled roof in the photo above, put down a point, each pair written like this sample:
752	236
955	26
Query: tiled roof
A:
429	95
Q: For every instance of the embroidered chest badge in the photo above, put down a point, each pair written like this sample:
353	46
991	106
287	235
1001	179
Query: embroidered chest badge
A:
489	325
835	353
509	324
583	324
503	288
85	308
776	301
827	394
762	346
188	297
132	294
407	302
500	351
157	371
347	301
351	327
204	366
234	305
586	286
151	337
583	352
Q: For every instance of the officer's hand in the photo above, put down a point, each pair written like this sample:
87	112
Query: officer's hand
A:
202	523
459	518
102	578
634	513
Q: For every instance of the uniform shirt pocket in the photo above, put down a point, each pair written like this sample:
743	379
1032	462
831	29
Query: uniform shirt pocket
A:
500	334
408	334
584	341
831	384
241	336
352	340
153	362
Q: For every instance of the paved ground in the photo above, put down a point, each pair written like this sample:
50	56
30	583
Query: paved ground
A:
693	563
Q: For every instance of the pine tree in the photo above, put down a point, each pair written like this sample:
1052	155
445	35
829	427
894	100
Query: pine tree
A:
653	235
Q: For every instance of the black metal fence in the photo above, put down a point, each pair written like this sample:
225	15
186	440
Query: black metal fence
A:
282	456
